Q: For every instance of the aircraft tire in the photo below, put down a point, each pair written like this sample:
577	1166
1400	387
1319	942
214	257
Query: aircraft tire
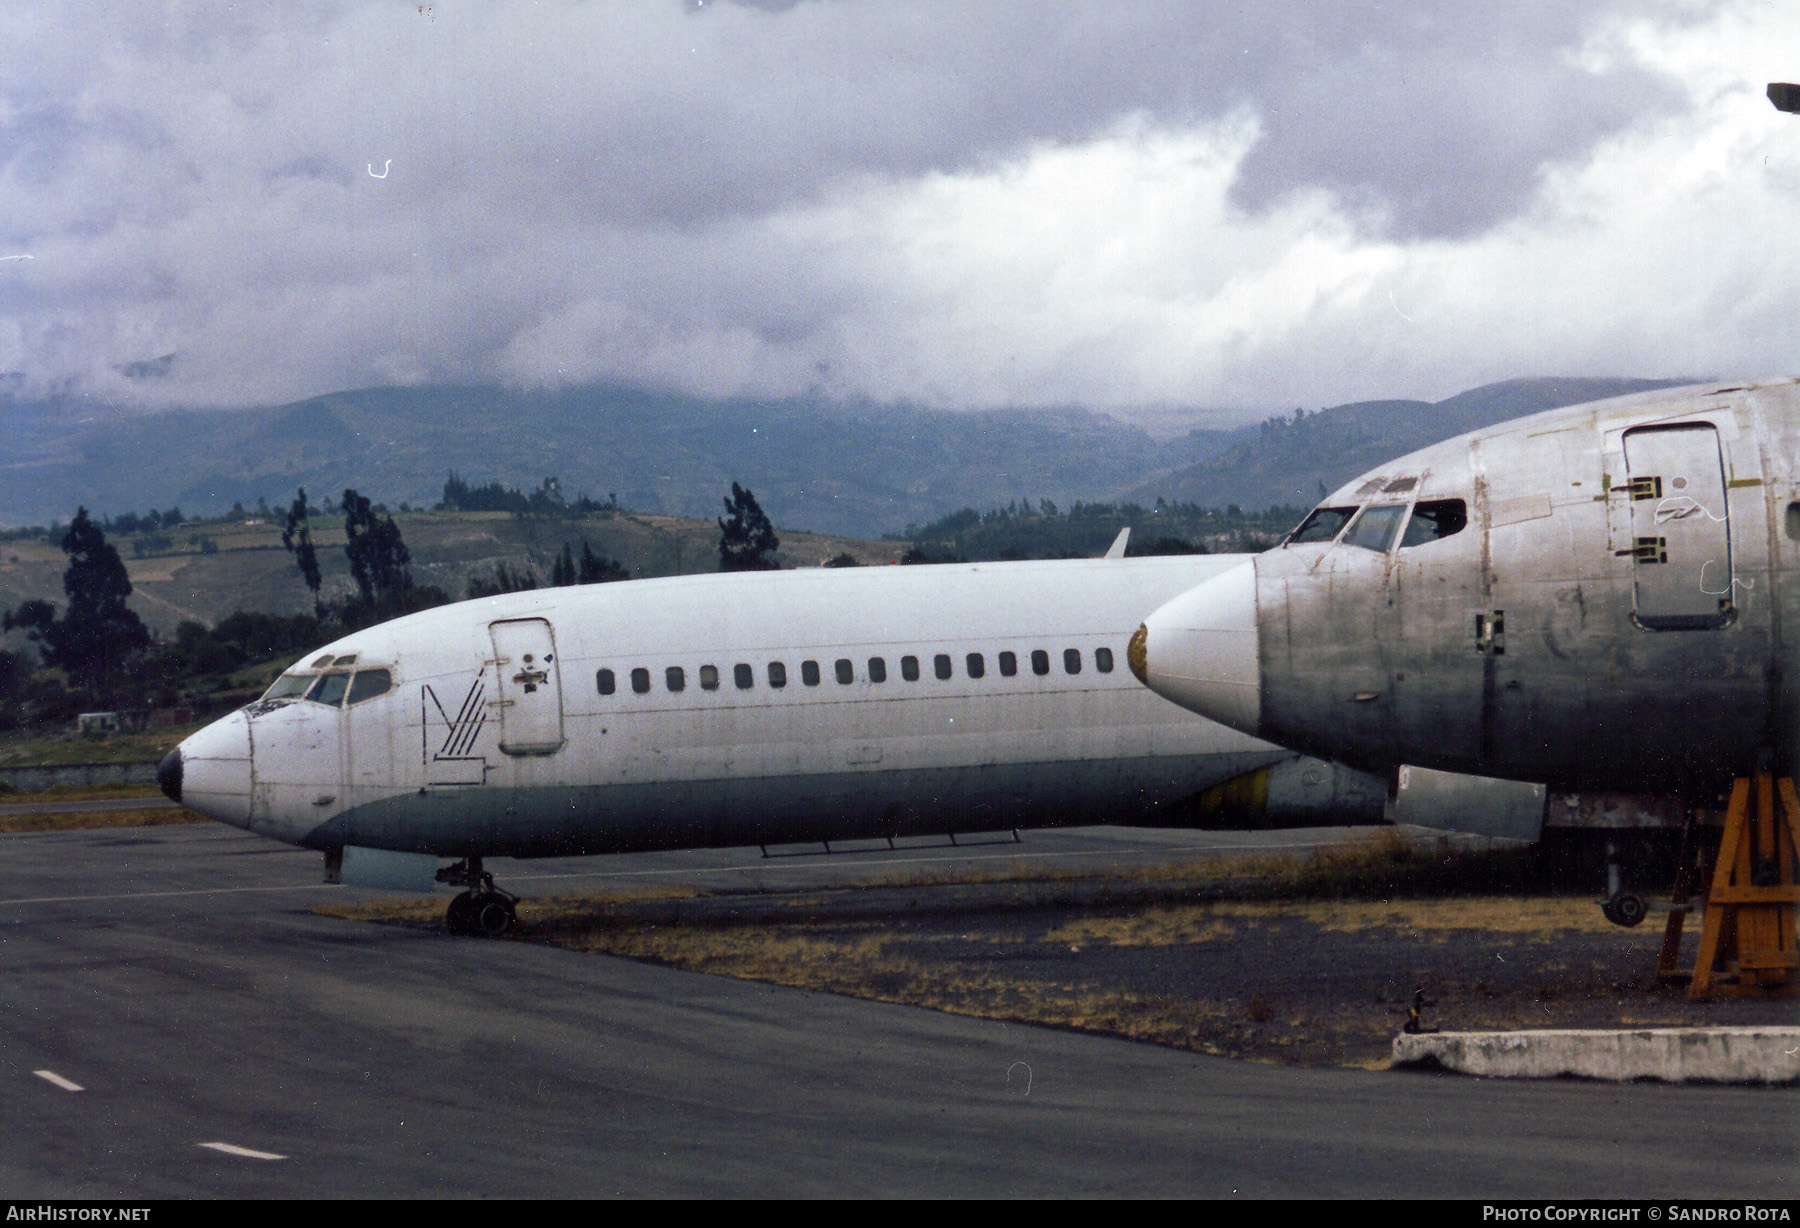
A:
1626	909
460	918
492	916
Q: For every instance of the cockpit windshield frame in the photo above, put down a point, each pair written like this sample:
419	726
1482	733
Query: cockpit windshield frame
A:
318	682
1322	524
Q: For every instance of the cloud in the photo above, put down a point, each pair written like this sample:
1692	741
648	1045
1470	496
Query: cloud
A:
1116	206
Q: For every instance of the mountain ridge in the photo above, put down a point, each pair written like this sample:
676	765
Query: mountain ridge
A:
857	469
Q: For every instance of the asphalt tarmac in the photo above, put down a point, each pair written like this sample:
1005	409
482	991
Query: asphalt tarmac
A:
175	975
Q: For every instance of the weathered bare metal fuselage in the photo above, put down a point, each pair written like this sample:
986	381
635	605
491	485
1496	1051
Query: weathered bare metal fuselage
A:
1614	613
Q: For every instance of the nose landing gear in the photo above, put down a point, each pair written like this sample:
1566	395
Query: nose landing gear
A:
1621	907
1626	908
483	910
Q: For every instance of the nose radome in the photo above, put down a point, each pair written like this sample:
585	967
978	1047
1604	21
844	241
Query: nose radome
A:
212	770
1201	650
168	775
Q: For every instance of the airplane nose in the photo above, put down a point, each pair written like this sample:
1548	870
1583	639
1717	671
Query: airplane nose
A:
212	771
1201	650
168	775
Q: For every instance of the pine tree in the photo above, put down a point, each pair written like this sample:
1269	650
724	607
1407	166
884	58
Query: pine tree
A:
297	537
98	633
596	569
378	557
747	540
562	570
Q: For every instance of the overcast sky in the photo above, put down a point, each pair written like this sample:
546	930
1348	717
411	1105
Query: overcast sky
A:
1128	206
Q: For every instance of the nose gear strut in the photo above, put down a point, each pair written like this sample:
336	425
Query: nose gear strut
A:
483	910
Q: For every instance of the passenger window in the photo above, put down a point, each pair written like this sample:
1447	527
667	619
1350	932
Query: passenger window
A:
329	689
1103	660
1040	662
742	675
640	680
809	673
777	674
370	683
909	668
1375	528
977	667
674	678
1437	519
605	681
846	673
1071	660
877	670
1322	525
1009	664
709	677
941	663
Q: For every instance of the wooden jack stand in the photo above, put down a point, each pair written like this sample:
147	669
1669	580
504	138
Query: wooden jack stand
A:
1747	939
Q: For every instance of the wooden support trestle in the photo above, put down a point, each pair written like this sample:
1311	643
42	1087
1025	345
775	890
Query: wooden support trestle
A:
1747	939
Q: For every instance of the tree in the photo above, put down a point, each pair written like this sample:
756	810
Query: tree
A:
99	633
747	540
562	571
378	557
505	580
297	537
592	568
597	569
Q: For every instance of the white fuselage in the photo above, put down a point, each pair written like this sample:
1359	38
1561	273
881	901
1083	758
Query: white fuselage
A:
617	717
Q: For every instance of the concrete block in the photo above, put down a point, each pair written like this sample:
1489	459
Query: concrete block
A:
1673	1055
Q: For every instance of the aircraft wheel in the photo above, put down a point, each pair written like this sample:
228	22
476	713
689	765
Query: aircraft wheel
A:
460	918
1626	909
493	915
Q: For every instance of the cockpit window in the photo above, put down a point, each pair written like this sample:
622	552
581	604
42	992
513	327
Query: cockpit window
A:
370	683
1438	518
1375	528
289	685
321	663
329	689
1322	525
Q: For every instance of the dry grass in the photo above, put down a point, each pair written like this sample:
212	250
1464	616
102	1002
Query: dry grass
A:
80	820
870	965
1381	866
1184	925
1153	927
918	939
76	793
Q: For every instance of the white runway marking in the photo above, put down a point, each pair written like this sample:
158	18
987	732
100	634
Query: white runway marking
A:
232	1149
68	1085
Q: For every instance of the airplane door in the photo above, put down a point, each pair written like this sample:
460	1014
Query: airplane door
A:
530	687
1680	537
